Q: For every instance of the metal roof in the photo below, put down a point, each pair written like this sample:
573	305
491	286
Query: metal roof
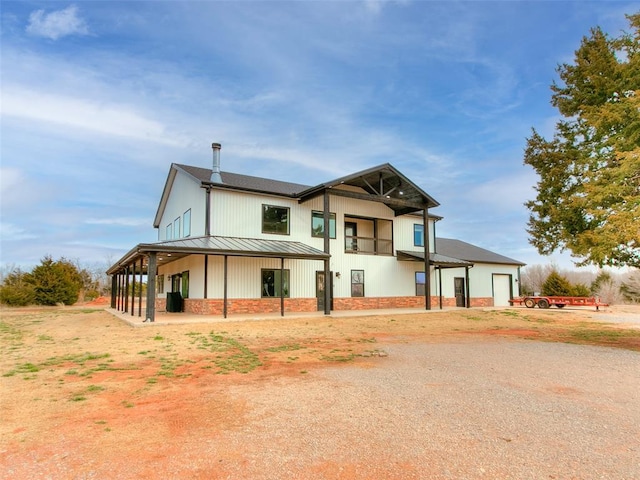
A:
246	182
435	259
232	246
471	253
383	183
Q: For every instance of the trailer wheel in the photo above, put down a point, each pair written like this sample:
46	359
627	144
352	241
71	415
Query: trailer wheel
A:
560	305
529	303
543	303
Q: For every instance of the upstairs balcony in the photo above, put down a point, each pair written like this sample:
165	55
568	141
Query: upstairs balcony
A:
368	236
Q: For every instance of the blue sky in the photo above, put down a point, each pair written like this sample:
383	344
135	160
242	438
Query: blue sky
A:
99	97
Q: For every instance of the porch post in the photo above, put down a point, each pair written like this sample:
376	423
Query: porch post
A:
468	292
133	290
119	305
224	301
427	269
327	265
151	288
282	287
206	274
114	287
140	292
126	289
440	285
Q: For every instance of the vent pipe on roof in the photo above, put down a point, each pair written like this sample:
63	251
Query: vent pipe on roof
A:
215	170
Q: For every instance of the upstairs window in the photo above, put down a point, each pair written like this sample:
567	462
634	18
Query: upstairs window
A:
275	219
317	224
186	224
176	228
169	235
418	235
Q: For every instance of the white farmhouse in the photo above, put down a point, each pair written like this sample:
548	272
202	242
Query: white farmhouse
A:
230	243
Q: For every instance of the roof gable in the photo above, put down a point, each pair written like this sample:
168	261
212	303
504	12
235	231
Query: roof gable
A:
383	183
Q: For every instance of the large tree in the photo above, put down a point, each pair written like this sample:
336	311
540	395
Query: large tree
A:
588	195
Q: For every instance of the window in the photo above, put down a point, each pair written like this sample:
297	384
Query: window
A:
275	219
317	224
418	235
420	282
176	228
271	283
160	284
186	224
169	235
357	283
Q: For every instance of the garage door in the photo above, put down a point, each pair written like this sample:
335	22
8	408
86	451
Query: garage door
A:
501	290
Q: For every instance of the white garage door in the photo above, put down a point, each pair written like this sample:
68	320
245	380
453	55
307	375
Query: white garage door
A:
501	290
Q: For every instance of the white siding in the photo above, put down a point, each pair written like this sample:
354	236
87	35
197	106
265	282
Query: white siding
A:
480	279
185	194
403	233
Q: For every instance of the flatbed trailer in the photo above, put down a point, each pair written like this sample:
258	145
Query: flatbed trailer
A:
545	301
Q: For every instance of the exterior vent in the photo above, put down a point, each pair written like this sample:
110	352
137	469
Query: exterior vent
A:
215	170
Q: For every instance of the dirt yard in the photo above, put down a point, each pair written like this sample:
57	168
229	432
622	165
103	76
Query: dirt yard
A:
511	393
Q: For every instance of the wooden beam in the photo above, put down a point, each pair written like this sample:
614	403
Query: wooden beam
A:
397	202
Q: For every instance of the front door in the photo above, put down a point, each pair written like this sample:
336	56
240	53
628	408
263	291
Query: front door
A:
320	286
458	288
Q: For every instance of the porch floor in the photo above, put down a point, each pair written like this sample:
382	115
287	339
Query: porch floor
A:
167	318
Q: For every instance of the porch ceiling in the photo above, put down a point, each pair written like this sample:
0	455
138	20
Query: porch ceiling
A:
171	251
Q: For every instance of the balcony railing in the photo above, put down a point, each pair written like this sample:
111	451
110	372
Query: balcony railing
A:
368	245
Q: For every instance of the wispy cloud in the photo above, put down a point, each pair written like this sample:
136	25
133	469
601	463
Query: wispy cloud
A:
80	113
57	24
120	221
12	232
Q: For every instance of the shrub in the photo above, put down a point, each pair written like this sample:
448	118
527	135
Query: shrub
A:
16	291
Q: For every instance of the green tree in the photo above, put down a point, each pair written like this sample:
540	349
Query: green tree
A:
588	194
557	285
55	282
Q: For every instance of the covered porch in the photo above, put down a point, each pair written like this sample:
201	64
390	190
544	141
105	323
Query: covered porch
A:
440	262
143	261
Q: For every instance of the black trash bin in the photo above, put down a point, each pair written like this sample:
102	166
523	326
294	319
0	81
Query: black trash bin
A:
174	302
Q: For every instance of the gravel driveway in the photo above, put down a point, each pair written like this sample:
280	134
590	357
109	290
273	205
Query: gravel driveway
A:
467	409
